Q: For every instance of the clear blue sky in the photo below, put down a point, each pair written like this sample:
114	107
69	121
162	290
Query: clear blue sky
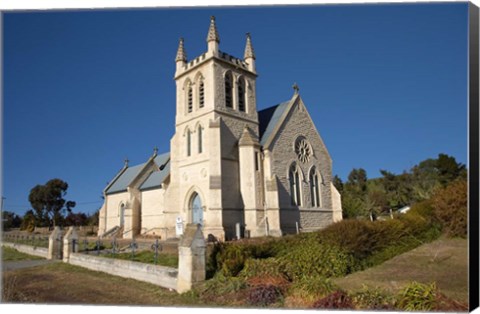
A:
386	85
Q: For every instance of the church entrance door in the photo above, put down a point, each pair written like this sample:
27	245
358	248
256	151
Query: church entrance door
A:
197	210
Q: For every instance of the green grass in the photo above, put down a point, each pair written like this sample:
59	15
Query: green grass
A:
148	257
9	255
37	241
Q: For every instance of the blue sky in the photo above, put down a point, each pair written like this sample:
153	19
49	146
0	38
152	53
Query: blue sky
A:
386	85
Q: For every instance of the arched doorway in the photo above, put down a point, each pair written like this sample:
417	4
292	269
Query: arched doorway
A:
196	209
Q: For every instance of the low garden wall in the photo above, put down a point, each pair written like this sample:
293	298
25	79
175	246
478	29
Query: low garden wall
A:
158	275
28	249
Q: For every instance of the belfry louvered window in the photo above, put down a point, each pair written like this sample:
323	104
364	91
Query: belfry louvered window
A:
241	94
201	95
190	99
228	90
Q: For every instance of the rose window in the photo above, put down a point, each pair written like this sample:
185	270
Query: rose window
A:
303	150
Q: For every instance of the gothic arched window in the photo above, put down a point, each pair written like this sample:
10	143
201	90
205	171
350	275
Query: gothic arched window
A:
201	94
315	188
200	139
189	143
295	185
190	99
228	90
241	94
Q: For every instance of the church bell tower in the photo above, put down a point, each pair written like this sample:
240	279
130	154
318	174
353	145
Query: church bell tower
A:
215	104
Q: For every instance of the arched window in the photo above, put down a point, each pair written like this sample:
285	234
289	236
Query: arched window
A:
241	94
295	185
190	98
121	213
189	143
200	139
315	188
228	90
201	94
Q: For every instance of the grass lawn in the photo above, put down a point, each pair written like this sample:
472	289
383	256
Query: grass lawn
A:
10	255
444	262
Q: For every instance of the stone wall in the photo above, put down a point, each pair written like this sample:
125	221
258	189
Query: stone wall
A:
158	275
28	249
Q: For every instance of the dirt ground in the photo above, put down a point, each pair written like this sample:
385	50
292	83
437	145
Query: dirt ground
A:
444	261
60	283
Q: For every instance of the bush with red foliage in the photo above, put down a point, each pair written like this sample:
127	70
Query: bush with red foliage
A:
336	300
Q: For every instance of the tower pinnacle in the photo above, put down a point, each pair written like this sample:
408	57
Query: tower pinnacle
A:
181	55
212	31
249	53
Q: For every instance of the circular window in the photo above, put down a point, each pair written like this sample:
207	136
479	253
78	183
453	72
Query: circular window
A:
302	148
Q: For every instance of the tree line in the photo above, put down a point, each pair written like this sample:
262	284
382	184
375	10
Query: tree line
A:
363	197
49	208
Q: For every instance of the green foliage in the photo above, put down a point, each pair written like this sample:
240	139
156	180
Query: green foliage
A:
363	197
311	287
221	284
374	299
261	267
48	202
312	258
418	297
450	208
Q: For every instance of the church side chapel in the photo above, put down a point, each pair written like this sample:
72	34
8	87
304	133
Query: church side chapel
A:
234	170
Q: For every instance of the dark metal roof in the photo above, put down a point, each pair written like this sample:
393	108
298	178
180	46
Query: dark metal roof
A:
268	119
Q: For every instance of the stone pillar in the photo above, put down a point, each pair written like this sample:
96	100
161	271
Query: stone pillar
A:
55	246
70	243
191	258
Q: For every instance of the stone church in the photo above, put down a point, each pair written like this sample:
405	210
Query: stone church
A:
234	170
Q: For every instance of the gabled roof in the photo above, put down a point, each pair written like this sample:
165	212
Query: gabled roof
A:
131	173
268	118
156	178
125	179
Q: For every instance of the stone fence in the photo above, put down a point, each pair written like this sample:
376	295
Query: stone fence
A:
28	249
191	263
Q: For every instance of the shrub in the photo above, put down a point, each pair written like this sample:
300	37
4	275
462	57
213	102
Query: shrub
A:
450	208
261	267
373	299
312	258
423	209
222	285
311	288
418	297
264	295
336	300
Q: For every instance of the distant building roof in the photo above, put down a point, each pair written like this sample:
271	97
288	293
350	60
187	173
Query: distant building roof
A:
268	119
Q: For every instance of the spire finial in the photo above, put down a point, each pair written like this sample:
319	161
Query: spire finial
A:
295	88
181	55
249	53
155	151
126	161
212	31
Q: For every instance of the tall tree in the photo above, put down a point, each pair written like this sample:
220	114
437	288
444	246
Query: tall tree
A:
48	201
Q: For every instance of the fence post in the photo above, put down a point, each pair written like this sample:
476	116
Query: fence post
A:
191	258
70	243
55	250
